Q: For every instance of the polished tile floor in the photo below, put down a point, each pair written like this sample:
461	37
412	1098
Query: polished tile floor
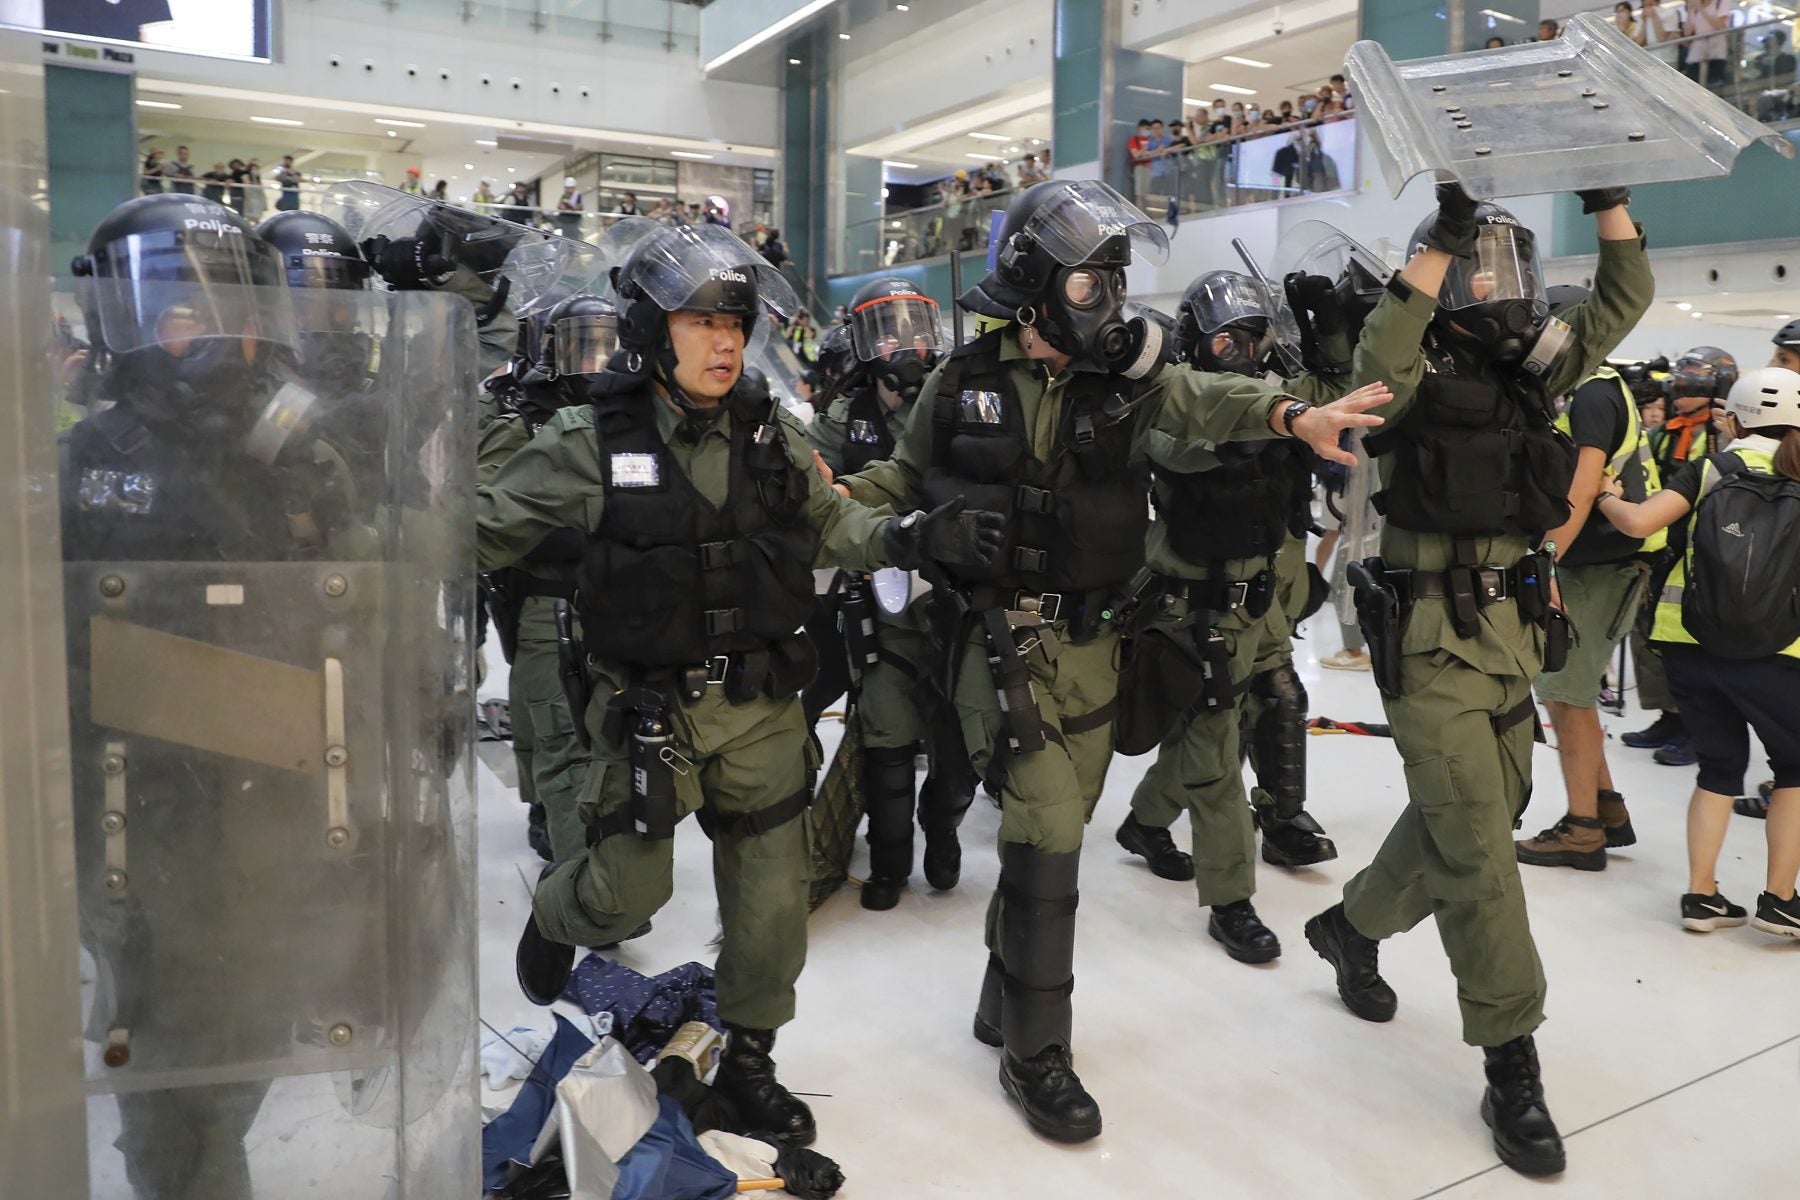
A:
1672	1060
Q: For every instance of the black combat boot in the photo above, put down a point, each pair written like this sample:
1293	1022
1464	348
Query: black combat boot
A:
1524	1135
943	799
747	1078
1355	957
987	1009
888	799
1155	847
542	965
1236	927
1036	969
1298	841
537	832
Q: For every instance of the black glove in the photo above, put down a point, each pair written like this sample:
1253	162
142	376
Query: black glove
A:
1325	345
946	535
807	1173
408	264
1600	199
1138	355
1453	231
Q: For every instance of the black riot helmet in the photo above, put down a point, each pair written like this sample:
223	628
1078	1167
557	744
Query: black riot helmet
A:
316	251
185	302
1703	371
1222	324
1495	297
895	328
835	364
581	334
687	268
1060	265
1564	296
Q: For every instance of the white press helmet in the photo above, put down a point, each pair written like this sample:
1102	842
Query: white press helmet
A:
1766	397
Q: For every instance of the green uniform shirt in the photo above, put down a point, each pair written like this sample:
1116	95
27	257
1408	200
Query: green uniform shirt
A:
1623	289
1185	407
554	482
829	428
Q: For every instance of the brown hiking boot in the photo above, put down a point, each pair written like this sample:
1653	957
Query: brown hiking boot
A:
1617	821
1578	842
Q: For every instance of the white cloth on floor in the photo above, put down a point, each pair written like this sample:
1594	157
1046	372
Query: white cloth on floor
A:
747	1157
503	1065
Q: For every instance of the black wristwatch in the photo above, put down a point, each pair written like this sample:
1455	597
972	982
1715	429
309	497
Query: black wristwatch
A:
1290	414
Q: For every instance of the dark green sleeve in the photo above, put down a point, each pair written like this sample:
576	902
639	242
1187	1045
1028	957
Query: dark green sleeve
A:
551	482
1199	407
849	532
1390	349
1623	290
500	440
826	433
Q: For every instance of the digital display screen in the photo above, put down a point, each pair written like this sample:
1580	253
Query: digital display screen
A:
217	28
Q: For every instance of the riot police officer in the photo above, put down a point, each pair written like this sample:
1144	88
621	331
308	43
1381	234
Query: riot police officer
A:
1045	418
701	516
1213	606
896	336
564	346
1459	617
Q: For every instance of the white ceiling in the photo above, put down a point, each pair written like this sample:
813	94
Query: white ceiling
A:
1299	61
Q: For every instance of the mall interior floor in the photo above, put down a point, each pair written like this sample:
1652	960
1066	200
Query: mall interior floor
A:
1670	1058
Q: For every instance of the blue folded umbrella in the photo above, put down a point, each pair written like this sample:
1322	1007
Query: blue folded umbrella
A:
668	1164
509	1137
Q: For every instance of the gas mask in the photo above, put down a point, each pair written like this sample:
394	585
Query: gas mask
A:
1082	312
338	362
1240	349
1504	331
208	388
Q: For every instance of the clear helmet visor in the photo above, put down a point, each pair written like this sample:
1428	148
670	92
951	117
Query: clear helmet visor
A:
1083	216
701	266
169	289
1319	248
896	327
333	310
583	344
327	271
1284	328
541	268
1226	298
1503	267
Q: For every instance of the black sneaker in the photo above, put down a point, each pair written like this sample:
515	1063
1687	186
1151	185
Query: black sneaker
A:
1703	914
1660	732
1779	917
1154	845
1677	752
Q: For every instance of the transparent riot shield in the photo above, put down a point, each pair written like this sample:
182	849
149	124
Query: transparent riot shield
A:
1283	326
42	1150
1360	524
270	680
1589	109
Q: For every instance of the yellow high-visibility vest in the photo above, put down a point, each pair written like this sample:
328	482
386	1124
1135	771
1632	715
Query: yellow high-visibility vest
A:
1634	445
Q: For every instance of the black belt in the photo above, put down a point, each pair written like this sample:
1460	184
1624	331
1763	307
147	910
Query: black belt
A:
1053	607
1492	584
744	824
1214	595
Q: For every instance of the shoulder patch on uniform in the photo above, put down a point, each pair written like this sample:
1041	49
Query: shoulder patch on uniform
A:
575	416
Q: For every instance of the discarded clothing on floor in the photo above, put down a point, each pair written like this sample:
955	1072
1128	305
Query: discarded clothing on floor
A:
807	1173
669	1164
508	1140
646	1012
603	1106
508	1054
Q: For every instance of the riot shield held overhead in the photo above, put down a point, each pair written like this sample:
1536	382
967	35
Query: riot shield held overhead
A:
269	617
1589	109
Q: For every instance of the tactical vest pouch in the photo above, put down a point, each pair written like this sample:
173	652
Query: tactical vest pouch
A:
985	457
1162	674
1382	617
1557	635
652	600
1456	482
1544	487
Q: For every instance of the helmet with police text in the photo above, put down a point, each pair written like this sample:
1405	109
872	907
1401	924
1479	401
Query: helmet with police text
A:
1703	371
183	299
688	268
1060	265
1222	324
1495	297
316	251
1766	398
895	329
580	335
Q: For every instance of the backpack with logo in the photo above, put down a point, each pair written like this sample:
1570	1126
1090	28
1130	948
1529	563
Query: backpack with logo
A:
1742	596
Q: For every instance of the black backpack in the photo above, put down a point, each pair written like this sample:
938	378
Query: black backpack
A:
1742	596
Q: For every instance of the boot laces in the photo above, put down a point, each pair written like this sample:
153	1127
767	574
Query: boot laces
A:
1517	1065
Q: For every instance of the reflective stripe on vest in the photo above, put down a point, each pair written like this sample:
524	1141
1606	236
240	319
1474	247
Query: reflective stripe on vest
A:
1635	444
1668	626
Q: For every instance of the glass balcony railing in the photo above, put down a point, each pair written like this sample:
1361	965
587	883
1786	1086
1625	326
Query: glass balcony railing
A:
668	25
1298	159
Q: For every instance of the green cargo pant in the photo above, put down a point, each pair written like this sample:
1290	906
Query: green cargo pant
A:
1198	768
553	764
1046	796
888	709
1450	854
740	758
1274	646
1652	680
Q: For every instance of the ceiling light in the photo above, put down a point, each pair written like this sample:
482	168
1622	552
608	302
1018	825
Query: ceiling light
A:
1148	91
1012	149
1500	16
902	8
512	170
156	104
987	157
393	133
889	162
468	166
1194	102
1696	316
1248	62
762	35
486	142
1784	316
1037	141
687	154
401	124
843	37
1684	306
793	62
276	121
1233	88
990	137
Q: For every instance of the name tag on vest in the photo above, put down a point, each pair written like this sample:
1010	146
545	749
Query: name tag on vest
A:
636	471
982	408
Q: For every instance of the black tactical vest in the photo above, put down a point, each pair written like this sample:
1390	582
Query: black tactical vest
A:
1476	455
669	580
1074	523
1242	508
867	438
